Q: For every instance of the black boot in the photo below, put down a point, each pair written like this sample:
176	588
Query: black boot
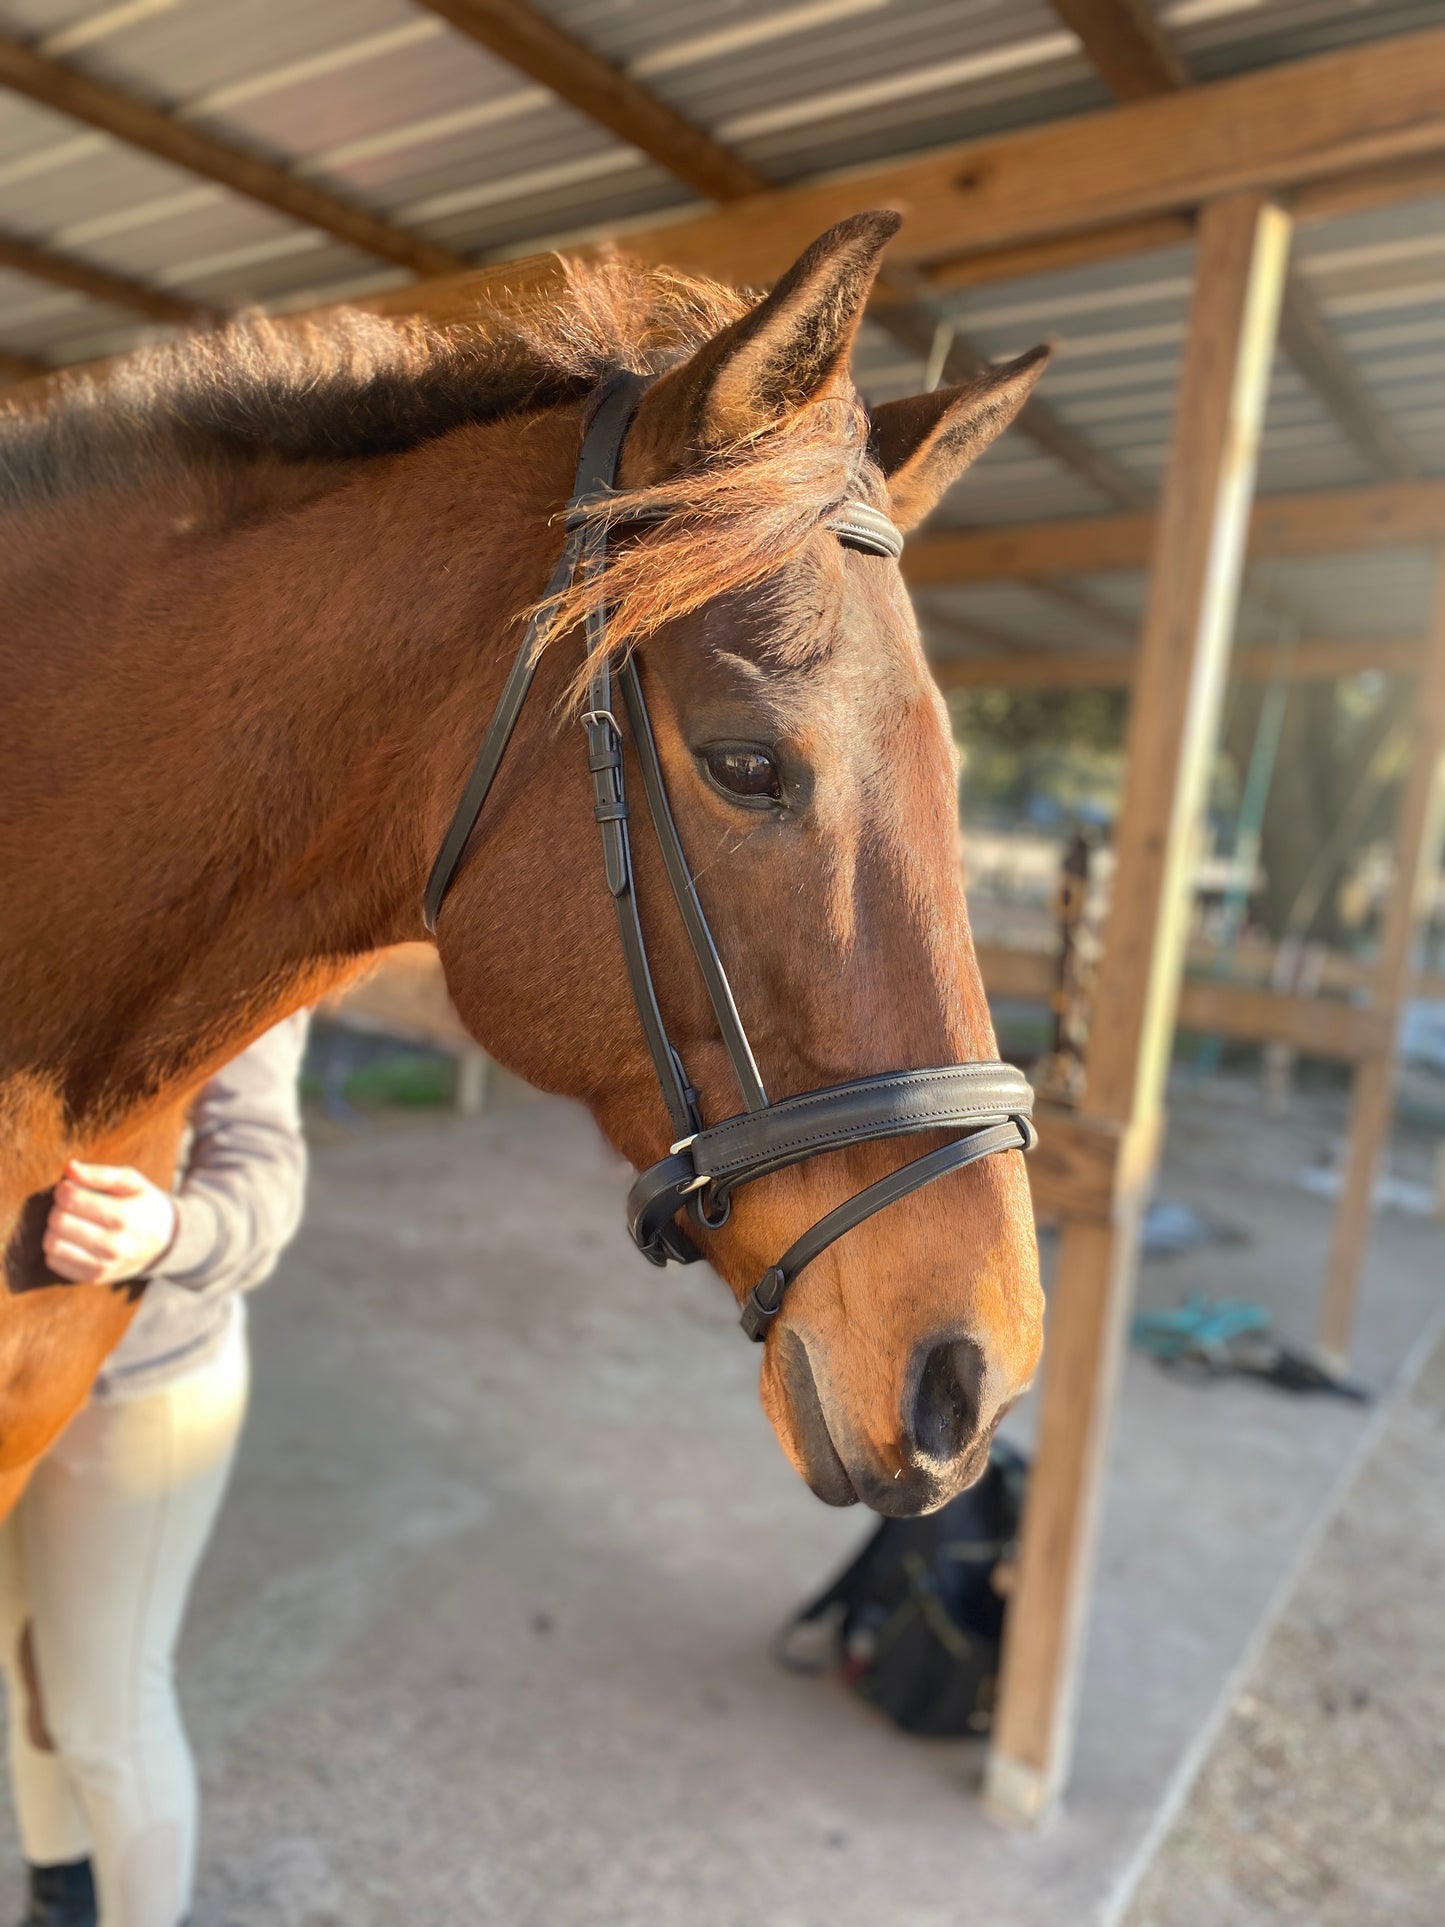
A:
61	1896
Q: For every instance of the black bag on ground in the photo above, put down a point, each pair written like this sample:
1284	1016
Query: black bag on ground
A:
914	1624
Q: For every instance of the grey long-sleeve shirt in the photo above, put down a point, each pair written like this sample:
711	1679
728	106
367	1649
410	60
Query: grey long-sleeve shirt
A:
238	1202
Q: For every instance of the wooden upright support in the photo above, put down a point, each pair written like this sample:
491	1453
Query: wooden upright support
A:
1417	855
1194	589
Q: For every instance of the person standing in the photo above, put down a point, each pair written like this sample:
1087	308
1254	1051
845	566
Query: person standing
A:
97	1560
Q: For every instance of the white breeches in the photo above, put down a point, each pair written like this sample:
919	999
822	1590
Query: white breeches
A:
97	1560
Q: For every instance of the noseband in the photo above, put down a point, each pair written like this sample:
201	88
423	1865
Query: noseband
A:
988	1104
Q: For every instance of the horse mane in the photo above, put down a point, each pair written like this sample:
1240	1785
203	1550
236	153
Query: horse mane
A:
213	408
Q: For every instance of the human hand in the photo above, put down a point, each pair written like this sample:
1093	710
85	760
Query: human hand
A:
108	1223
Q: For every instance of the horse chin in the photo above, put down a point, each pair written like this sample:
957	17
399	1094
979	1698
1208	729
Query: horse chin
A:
802	1426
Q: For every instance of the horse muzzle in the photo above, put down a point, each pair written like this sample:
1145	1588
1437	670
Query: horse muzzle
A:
948	1410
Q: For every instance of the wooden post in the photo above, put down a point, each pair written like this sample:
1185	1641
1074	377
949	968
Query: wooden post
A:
1193	595
1417	853
474	1069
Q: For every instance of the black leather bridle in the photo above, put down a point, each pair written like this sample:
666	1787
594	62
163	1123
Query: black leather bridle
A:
987	1103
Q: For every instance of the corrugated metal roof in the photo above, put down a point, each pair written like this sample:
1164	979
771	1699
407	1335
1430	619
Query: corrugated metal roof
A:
388	105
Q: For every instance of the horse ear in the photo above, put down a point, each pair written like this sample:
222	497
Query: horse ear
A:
777	357
925	443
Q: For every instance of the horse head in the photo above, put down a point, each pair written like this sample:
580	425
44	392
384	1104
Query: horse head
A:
810	765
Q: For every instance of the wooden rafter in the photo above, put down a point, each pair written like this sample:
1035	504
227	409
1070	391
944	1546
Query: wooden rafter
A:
605	93
116	290
1276	129
1336	133
1360	191
68	91
1120	242
1321	522
912	323
1311	344
1135	56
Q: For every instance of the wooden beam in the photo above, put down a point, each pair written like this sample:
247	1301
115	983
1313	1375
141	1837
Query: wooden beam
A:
1137	58
1023	668
117	290
1336	171
1123	38
1078	1166
1122	241
1315	1026
1417	859
1360	191
582	77
1193	596
1330	1027
1310	343
1011	970
1278	127
1321	522
68	91
1363	190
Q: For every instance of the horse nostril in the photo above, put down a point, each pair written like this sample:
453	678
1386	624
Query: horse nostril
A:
947	1403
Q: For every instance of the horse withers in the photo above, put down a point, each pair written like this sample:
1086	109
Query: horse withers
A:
263	588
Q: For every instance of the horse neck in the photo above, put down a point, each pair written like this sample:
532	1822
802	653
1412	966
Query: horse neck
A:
262	731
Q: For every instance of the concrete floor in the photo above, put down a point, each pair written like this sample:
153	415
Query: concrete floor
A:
484	1635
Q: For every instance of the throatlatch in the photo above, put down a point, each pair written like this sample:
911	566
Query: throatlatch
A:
988	1102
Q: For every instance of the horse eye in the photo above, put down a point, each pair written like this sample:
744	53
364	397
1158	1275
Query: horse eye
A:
744	772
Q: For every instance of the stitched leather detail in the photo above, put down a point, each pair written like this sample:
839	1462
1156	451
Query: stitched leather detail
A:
861	526
865	1109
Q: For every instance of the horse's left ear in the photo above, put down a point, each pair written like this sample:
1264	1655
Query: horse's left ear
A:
925	443
784	353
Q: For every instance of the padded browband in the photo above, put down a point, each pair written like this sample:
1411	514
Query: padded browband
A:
857	525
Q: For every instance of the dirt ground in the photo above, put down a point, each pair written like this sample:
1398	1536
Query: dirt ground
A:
1323	1802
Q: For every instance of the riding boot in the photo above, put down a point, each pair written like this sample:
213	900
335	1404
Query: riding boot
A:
61	1896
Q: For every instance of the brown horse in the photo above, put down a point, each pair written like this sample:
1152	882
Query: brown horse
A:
260	591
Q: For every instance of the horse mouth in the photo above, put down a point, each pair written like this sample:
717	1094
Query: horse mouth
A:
814	1453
